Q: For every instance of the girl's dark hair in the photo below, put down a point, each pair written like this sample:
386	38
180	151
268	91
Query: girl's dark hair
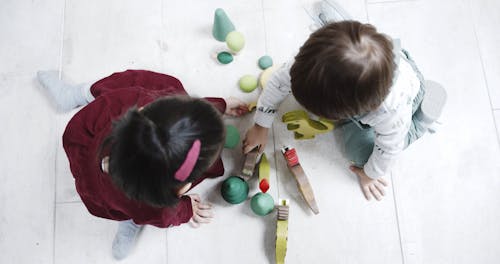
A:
343	69
148	146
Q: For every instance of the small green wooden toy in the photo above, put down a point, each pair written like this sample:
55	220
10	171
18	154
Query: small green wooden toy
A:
303	127
265	62
224	57
262	204
248	83
234	190
232	136
235	41
222	25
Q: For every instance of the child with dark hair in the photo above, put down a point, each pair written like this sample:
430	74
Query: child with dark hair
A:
349	72
138	146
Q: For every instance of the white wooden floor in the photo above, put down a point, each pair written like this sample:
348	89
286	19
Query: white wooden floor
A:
443	205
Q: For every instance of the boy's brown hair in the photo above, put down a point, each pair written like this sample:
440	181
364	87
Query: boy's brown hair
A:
344	69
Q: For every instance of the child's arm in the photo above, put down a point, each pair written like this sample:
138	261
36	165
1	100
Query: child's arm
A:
277	89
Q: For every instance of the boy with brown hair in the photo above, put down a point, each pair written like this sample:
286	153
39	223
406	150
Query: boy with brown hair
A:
348	71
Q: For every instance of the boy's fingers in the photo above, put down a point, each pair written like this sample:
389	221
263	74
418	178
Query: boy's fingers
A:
205	206
205	213
193	223
366	192
198	219
380	188
375	192
383	181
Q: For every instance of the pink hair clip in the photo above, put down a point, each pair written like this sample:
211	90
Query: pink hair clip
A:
187	166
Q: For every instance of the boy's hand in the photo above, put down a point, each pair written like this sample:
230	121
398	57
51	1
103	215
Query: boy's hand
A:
202	212
235	107
255	136
371	187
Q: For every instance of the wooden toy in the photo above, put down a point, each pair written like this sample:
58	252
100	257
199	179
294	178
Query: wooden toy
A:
303	184
234	190
222	25
232	136
265	75
252	106
264	172
224	57
262	204
303	127
265	62
250	162
248	83
282	230
235	41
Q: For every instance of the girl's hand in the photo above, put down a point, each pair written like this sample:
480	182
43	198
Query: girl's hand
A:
256	136
235	107
202	212
370	187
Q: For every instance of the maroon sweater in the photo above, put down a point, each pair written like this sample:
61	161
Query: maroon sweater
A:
114	95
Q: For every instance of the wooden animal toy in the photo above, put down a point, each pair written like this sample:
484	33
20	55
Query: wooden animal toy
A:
282	230
292	160
304	127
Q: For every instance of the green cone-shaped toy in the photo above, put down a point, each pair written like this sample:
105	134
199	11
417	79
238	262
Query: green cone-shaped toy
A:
222	25
234	190
262	204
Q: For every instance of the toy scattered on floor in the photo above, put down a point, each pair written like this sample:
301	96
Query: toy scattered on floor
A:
262	204
252	106
264	173
235	41
234	190
224	57
265	75
232	136
265	62
282	230
222	25
248	83
303	127
250	162
303	184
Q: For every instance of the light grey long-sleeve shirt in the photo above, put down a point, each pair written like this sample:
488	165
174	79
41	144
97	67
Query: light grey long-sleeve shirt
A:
391	120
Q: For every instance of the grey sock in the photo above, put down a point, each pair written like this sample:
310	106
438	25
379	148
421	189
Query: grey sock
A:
432	104
125	239
66	96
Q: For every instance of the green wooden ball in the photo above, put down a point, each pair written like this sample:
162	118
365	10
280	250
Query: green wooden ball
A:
265	62
225	57
235	41
248	83
234	190
262	204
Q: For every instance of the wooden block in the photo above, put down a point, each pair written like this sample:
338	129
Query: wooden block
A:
264	172
249	165
304	127
282	231
303	184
